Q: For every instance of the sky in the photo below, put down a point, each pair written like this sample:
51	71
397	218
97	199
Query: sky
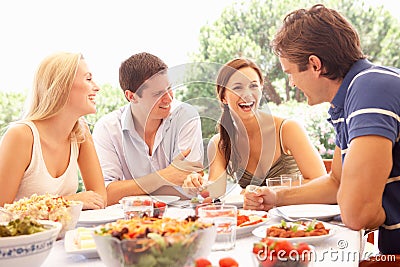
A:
106	32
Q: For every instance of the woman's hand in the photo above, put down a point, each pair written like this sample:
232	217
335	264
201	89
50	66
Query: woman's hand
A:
193	184
259	198
91	200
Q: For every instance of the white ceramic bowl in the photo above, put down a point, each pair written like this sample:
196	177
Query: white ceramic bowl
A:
29	250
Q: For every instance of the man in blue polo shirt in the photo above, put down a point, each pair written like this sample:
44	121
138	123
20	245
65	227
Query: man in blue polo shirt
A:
150	145
320	51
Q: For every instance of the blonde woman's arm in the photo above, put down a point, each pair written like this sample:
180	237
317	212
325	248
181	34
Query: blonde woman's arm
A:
296	141
95	196
15	155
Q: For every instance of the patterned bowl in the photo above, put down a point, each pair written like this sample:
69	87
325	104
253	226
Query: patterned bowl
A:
29	250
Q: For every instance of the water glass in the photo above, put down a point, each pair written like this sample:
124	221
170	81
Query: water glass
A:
279	182
297	178
224	217
137	206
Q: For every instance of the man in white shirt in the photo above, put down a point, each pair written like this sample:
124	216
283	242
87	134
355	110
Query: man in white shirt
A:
150	145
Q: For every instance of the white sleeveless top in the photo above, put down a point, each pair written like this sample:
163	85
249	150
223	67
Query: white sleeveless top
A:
38	180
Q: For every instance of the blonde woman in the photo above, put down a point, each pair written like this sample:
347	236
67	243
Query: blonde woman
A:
42	152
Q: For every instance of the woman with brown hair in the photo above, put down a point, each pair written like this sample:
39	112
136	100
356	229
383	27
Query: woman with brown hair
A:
253	145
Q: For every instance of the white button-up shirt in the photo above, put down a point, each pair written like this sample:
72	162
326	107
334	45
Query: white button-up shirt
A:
124	155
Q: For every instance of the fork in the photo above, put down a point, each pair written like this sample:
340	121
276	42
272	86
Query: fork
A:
180	204
290	219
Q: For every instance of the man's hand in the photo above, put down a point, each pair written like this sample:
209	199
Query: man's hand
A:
180	168
194	183
259	198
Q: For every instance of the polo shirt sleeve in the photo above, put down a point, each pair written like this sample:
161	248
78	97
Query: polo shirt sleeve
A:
108	157
372	106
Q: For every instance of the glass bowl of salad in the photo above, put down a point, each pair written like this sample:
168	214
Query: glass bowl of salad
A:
151	242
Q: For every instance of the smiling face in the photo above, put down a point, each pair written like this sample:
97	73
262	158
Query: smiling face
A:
83	91
156	97
243	92
308	81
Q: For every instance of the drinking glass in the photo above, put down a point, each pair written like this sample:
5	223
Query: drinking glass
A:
279	182
224	217
137	206
297	178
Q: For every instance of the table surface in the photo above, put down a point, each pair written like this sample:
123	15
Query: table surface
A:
341	249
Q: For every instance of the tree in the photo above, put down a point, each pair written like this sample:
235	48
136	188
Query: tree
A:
11	104
108	99
247	28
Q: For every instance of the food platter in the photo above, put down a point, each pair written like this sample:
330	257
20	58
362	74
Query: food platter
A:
255	219
71	247
261	232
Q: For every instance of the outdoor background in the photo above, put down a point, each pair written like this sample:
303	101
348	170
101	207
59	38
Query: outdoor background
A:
179	32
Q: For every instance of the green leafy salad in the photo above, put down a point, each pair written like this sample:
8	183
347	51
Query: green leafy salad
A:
25	226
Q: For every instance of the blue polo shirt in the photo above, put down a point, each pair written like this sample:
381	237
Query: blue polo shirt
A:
368	103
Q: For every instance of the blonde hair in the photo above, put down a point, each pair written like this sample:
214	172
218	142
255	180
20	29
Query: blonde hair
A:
51	88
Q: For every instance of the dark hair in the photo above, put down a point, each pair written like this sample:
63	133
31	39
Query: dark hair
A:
134	71
322	32
225	126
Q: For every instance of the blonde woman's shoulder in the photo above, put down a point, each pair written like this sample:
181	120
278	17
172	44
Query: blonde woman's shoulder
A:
18	135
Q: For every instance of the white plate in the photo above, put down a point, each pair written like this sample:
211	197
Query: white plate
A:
94	217
246	230
166	199
71	248
312	211
261	232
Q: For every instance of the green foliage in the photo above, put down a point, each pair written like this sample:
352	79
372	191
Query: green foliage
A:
107	99
246	29
379	31
12	105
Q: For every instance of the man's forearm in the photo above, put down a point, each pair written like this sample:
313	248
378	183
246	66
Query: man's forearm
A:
321	190
139	186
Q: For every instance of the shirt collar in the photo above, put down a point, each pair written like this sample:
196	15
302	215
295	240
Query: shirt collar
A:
358	66
127	118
